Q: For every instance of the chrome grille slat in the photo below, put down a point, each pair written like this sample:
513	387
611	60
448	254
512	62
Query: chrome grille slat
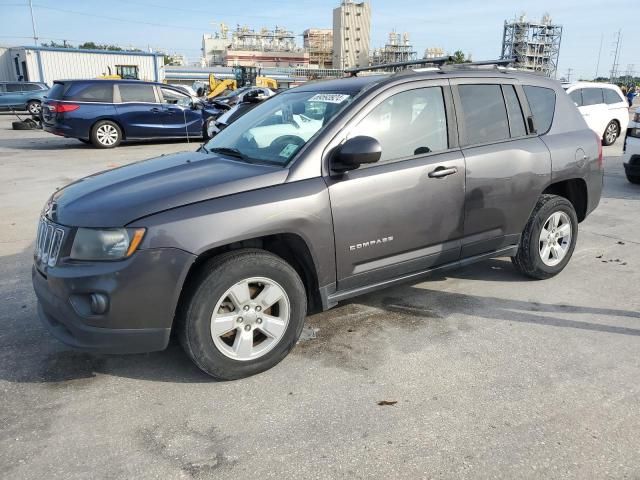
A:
49	241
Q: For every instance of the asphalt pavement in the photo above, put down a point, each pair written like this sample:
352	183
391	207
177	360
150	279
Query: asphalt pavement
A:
477	374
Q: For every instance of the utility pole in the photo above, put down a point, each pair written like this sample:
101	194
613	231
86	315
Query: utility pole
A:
33	24
569	70
616	53
599	53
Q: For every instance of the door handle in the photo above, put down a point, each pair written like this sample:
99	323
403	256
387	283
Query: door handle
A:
441	172
156	110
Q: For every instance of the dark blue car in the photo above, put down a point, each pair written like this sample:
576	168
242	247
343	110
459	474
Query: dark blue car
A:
106	112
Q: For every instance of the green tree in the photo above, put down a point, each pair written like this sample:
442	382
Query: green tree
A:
460	57
55	44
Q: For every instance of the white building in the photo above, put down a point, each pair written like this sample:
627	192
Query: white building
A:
46	64
351	34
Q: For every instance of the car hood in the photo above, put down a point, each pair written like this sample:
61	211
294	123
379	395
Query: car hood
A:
114	198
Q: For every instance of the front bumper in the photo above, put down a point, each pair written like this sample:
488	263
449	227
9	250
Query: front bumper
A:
631	159
142	294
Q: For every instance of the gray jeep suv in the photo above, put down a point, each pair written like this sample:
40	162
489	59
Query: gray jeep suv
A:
319	194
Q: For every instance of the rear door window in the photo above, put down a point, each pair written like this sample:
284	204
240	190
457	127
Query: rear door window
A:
542	103
31	87
516	119
130	92
89	92
576	96
611	96
592	96
15	87
484	113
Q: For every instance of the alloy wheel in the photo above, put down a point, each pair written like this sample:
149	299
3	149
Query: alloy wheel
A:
35	108
250	318
107	135
555	239
612	133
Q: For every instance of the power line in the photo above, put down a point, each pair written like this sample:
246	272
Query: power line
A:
118	19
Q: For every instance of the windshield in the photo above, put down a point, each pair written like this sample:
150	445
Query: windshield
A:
274	131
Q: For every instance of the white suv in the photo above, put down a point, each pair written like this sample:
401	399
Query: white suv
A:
603	107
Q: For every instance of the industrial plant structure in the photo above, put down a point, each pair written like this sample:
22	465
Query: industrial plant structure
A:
351	34
319	43
247	47
397	49
433	52
534	45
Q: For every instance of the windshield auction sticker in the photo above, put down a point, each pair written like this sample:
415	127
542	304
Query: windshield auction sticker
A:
329	97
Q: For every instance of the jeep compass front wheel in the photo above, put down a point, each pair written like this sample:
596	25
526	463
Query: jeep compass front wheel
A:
245	313
548	239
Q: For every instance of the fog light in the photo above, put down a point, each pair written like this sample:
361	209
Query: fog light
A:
99	303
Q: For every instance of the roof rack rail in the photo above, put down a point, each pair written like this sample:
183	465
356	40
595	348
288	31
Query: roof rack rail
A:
502	62
396	65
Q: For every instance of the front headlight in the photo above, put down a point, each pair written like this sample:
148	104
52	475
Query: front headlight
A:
105	244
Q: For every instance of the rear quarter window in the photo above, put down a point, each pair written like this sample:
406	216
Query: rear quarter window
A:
90	92
56	92
542	103
611	96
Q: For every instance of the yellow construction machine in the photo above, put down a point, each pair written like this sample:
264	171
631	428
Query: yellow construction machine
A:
219	86
266	82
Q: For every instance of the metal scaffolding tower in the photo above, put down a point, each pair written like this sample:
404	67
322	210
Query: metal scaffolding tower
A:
534	45
397	49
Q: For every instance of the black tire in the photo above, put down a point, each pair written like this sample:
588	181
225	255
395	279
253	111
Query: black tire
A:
34	107
209	286
205	128
26	125
634	179
611	139
528	260
100	141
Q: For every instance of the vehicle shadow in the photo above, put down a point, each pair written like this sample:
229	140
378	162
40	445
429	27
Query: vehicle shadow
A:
41	143
36	357
414	300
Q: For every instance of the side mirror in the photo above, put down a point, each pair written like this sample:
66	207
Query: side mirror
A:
196	105
354	152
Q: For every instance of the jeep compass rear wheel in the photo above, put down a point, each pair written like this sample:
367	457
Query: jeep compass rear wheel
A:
106	134
549	238
245	313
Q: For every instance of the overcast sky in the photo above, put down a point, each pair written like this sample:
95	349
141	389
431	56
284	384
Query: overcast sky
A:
470	25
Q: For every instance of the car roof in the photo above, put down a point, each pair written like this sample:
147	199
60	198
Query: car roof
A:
567	85
347	84
108	80
22	81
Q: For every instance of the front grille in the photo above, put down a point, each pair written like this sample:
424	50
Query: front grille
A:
48	242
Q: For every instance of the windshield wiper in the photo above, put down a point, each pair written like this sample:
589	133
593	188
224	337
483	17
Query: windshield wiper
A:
230	151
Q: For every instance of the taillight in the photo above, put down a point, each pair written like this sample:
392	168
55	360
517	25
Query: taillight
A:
58	107
600	159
